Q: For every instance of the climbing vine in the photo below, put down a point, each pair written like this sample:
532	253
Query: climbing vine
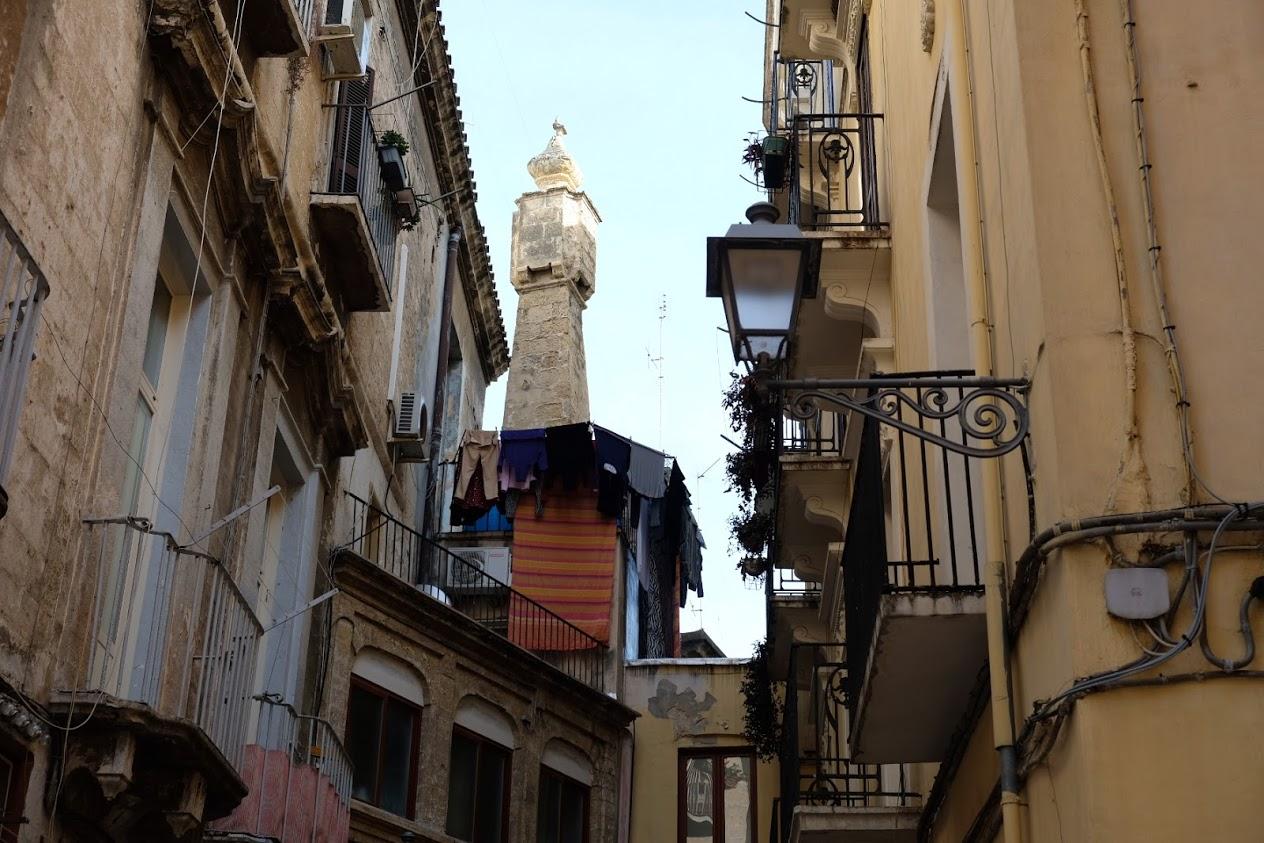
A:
748	472
764	706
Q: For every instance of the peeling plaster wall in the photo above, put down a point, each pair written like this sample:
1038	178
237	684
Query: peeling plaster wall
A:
684	704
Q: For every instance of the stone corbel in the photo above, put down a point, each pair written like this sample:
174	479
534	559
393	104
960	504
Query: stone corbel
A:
820	30
817	511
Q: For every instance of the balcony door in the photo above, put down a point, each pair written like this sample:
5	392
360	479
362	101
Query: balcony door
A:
163	404
351	125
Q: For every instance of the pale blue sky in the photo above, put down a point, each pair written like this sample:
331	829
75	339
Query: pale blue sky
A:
650	93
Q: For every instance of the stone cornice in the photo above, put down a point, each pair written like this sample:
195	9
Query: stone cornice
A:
450	151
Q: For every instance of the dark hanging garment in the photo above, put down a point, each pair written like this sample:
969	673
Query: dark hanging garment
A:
614	454
645	471
523	458
570	453
676	501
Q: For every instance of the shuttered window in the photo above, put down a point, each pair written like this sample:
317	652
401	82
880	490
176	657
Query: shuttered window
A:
351	130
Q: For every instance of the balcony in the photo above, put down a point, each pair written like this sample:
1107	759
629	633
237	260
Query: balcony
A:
355	215
170	666
439	575
913	564
23	290
826	797
278	27
299	777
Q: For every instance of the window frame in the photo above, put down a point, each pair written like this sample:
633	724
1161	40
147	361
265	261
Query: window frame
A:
715	754
546	770
506	790
22	761
414	751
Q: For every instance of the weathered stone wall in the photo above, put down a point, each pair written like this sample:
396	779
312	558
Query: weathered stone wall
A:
456	659
109	142
553	254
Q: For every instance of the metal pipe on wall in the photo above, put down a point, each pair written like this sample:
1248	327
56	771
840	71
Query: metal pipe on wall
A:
982	356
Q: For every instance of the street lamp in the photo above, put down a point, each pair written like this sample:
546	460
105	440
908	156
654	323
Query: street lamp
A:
762	270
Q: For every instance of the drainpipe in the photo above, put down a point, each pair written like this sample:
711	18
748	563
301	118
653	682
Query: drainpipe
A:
961	90
441	366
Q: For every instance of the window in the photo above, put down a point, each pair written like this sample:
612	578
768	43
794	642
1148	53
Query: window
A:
563	814
716	797
15	772
478	788
382	731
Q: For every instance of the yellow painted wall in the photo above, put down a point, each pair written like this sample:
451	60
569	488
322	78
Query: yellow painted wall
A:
684	704
1156	763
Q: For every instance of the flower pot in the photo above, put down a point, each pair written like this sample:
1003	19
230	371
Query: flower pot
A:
393	172
754	566
776	161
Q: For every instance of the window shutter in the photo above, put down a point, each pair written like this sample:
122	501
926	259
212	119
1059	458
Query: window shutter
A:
350	133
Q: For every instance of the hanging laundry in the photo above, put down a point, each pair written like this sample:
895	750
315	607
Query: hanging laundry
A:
691	545
570	454
475	489
614	453
523	458
564	560
645	471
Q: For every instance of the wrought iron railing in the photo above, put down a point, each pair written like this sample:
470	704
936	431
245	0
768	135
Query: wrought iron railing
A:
303	9
800	86
833	181
299	779
815	769
916	519
786	583
22	293
454	580
819	435
356	170
170	629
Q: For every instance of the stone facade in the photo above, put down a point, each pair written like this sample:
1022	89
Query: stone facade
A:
120	172
553	256
457	660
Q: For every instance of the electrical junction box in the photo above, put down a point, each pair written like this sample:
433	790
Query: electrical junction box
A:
1137	594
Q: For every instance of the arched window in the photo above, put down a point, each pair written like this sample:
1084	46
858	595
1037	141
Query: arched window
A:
566	777
479	772
383	722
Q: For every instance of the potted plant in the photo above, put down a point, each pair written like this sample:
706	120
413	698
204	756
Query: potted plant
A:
391	149
776	161
770	159
407	208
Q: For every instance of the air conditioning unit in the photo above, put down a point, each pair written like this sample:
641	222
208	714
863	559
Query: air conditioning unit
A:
408	428
487	568
345	34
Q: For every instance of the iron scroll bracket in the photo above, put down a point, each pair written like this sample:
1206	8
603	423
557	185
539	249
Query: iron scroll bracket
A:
991	412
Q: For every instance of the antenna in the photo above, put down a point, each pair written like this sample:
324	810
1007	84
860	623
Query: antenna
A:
657	362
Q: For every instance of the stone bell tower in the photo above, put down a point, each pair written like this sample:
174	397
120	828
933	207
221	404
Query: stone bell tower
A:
553	263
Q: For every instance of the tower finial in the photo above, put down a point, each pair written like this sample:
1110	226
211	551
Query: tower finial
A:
554	167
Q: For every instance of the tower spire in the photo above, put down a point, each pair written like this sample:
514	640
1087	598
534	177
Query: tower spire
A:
553	267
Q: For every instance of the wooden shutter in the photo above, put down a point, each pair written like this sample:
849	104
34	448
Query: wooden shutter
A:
350	142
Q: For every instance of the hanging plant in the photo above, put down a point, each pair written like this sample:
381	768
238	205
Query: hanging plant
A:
749	470
764	706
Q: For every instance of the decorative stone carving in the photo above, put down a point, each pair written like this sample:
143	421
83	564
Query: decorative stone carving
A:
554	167
821	31
928	25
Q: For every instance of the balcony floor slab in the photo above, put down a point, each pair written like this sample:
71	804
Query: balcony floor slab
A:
351	256
825	824
927	651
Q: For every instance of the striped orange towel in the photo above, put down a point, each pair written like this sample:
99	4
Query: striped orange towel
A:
563	561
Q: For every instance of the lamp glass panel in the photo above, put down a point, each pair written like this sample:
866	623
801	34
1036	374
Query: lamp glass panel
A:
765	283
